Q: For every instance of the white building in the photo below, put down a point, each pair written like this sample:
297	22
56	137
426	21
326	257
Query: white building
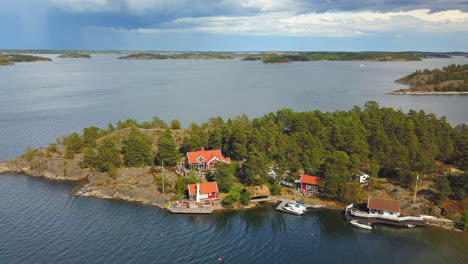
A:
383	206
363	178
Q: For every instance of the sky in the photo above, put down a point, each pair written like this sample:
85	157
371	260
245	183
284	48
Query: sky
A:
235	25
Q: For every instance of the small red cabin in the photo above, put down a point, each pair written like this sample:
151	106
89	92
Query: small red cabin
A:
203	191
308	185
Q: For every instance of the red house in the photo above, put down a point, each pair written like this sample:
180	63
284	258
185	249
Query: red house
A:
308	185
204	160
203	191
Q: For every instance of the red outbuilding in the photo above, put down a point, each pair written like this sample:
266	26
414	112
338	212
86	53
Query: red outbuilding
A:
203	191
308	185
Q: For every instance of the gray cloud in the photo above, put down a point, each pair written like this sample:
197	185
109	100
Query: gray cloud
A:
384	5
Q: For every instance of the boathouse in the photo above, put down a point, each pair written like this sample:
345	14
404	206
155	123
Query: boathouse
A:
383	206
205	160
203	191
308	185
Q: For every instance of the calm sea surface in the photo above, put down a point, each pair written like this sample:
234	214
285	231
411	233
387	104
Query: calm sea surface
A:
41	223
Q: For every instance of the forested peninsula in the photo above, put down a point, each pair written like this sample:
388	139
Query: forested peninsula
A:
75	56
452	79
123	161
285	57
10	59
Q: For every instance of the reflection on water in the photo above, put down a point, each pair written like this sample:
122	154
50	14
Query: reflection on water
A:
41	223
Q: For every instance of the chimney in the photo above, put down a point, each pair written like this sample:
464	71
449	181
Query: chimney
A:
198	193
202	148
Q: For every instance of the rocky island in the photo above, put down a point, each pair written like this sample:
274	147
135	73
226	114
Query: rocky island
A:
10	59
75	56
450	80
124	161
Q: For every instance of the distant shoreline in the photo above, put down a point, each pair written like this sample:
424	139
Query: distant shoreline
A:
426	93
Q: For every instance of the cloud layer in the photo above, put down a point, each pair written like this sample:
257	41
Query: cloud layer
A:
67	22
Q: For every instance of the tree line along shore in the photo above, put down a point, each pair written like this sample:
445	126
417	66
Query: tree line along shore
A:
452	79
394	148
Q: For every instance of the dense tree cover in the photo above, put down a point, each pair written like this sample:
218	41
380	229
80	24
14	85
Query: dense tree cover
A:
224	176
334	56
75	56
353	193
458	186
167	150
137	149
107	156
380	141
275	59
442	185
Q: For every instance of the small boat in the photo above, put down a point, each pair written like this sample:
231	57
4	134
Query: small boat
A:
293	209
356	223
298	205
410	226
362	65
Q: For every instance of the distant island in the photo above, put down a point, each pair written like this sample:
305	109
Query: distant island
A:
10	59
287	57
452	79
187	56
75	56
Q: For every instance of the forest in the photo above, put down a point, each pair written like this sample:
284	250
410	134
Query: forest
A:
379	141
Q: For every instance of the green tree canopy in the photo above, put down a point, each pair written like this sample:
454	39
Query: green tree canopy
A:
167	150
137	149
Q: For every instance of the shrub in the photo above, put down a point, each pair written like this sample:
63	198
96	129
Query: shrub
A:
275	189
245	197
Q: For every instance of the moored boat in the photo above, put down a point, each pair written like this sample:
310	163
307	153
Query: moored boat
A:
293	209
357	224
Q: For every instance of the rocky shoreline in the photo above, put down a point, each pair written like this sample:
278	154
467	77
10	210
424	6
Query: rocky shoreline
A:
136	185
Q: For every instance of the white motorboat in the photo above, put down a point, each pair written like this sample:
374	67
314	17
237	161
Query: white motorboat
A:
356	223
298	205
293	209
410	226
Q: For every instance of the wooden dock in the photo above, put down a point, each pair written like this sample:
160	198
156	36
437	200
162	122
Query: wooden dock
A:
280	206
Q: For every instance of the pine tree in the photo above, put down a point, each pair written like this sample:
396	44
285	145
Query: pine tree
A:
137	149
167	150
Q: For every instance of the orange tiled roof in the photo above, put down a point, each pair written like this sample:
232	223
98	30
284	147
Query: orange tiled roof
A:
208	155
205	187
310	179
